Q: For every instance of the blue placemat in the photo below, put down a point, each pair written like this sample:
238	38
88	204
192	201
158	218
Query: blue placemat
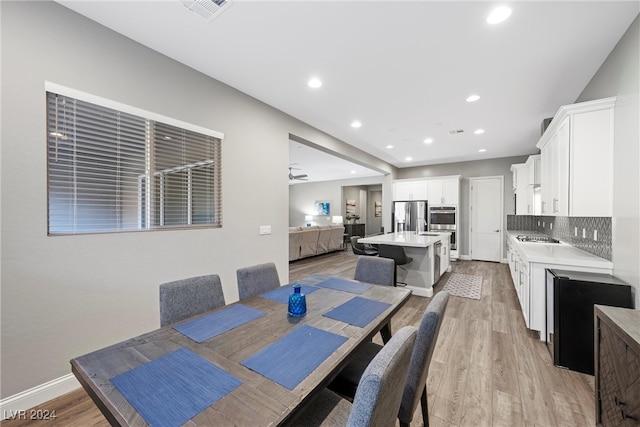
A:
203	328
293	357
282	293
352	286
358	311
174	388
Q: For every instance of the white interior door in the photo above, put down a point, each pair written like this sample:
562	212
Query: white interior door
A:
486	204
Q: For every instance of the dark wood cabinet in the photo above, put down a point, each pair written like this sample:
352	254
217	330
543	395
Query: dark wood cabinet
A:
617	366
354	230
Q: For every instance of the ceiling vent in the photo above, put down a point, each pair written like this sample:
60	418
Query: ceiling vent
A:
207	9
455	131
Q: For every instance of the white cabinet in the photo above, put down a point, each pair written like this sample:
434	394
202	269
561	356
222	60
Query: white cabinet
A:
529	281
533	169
523	294
520	180
591	160
518	262
438	191
520	176
576	160
445	256
444	191
410	190
420	190
532	191
526	186
402	190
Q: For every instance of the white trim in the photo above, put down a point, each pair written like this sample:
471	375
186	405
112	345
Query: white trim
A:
421	292
38	395
87	97
465	257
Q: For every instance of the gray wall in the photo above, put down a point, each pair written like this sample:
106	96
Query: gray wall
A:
619	76
374	223
479	168
302	197
62	297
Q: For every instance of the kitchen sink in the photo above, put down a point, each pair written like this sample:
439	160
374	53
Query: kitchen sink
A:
536	239
429	234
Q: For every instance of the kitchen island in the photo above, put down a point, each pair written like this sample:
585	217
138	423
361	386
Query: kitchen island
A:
419	273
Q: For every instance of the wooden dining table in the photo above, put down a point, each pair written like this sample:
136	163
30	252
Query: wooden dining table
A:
260	372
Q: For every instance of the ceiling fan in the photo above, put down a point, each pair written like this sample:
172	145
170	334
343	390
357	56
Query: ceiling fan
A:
302	177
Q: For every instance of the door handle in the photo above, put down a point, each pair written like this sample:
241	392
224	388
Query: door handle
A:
497	231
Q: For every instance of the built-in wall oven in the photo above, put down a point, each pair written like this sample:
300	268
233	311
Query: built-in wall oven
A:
443	218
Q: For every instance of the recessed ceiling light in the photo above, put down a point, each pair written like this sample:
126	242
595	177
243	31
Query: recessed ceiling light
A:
482	150
314	83
479	131
408	159
498	15
356	124
473	98
428	141
353	172
389	147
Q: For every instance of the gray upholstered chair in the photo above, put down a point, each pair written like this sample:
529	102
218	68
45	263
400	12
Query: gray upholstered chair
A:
379	271
377	398
415	389
361	248
375	270
257	279
184	298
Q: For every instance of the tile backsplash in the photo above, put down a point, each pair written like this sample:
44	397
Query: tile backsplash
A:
569	230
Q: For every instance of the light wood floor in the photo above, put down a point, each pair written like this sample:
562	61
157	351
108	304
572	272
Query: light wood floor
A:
487	368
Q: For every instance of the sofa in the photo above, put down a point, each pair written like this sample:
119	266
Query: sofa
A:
316	240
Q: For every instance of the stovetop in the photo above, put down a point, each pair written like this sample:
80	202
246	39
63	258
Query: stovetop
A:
536	239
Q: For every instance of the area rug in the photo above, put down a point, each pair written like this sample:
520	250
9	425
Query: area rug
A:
464	285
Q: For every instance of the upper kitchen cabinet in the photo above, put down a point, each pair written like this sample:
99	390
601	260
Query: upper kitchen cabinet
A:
555	171
520	175
533	169
533	193
577	160
526	186
443	190
410	190
520	182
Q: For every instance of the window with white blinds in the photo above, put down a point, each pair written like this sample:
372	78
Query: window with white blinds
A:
113	171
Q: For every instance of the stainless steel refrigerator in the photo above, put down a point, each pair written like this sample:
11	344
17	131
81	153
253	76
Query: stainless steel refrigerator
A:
410	216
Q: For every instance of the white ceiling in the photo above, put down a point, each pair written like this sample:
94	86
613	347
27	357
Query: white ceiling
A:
402	68
322	166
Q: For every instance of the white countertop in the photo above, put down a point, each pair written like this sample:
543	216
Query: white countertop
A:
557	253
406	238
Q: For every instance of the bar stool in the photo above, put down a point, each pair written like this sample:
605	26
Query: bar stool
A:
398	255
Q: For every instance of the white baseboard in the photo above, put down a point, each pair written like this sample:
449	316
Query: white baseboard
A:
465	257
12	405
421	292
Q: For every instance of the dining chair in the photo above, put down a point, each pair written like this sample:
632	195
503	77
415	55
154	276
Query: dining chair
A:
361	248
415	388
257	279
377	398
379	271
397	254
185	298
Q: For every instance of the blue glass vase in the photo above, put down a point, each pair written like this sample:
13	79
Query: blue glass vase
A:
297	302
